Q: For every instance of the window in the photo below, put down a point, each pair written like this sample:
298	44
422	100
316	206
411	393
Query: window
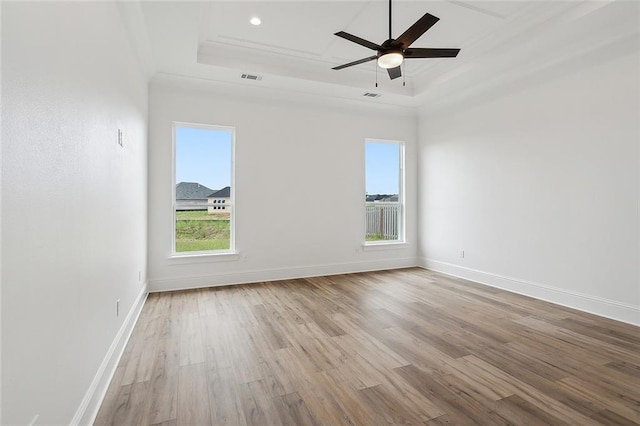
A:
203	220
384	198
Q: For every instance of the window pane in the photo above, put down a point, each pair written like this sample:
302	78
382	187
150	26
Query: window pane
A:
199	230
383	209
203	178
382	168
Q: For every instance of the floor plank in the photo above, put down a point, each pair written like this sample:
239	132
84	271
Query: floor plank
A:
193	396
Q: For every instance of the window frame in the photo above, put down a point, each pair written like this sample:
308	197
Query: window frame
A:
401	216
231	251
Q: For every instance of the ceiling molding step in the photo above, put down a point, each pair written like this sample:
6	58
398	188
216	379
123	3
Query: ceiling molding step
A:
287	51
252	92
345	24
301	70
476	8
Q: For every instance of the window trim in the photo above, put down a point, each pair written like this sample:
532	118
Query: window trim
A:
231	252
402	240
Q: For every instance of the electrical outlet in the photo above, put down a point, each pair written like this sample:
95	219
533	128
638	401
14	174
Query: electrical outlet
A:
462	254
120	138
139	276
118	307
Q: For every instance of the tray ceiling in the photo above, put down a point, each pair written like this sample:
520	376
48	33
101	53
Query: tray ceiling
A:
294	48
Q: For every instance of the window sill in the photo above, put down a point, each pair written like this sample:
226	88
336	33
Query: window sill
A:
200	257
391	245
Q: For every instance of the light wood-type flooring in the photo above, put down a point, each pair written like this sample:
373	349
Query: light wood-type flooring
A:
407	346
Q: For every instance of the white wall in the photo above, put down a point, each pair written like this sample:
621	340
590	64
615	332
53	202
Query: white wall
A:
308	157
538	183
74	201
0	218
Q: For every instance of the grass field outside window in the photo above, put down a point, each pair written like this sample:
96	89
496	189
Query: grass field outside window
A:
198	230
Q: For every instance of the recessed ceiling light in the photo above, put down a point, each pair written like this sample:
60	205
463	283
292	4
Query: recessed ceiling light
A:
255	21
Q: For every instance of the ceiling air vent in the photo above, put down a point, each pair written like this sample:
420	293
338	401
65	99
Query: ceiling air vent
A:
372	95
251	77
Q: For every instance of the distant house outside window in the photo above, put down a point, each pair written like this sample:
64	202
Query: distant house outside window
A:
203	189
384	186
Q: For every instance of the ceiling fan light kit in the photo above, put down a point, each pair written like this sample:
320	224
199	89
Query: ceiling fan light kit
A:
392	53
390	59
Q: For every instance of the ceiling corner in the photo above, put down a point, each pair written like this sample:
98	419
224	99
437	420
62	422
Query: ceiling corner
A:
135	26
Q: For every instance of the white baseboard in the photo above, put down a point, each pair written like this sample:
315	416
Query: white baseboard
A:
245	277
88	409
595	305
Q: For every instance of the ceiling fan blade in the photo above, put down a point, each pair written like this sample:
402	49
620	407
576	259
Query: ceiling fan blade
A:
358	40
430	53
350	64
394	72
416	30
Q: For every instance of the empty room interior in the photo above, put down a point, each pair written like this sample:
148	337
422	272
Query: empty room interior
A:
320	212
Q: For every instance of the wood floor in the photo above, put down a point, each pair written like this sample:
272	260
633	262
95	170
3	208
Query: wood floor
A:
397	347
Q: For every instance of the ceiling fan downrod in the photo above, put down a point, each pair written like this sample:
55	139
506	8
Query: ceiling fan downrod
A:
390	20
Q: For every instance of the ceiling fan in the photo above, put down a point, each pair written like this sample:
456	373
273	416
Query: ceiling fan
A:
393	52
